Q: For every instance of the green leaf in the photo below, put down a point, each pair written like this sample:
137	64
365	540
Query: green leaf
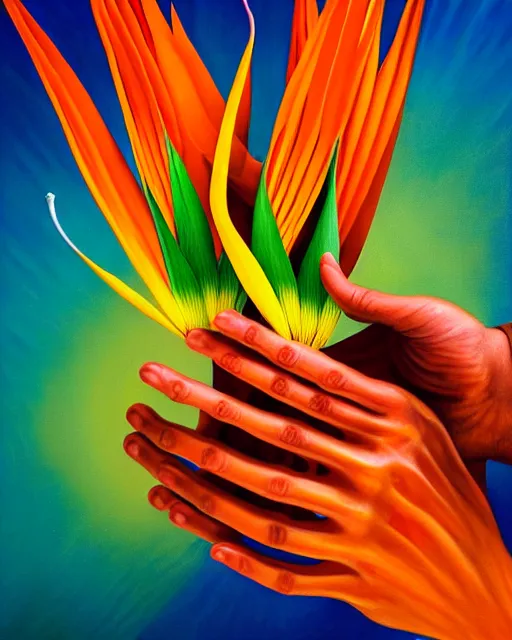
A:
184	285
267	247
192	227
325	239
231	293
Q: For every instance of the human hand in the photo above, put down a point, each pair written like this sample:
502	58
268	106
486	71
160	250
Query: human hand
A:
446	357
408	537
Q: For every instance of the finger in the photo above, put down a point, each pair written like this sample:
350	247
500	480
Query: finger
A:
306	362
284	432
278	384
315	539
272	482
367	305
188	518
326	579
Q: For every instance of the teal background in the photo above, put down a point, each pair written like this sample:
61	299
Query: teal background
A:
82	553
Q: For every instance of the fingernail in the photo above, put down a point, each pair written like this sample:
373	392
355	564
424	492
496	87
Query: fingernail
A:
219	555
134	418
179	519
150	374
158	502
225	320
132	449
328	260
197	338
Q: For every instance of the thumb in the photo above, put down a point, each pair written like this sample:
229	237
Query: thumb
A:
402	313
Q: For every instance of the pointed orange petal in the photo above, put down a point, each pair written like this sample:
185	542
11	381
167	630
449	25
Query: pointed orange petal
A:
360	105
101	163
206	88
128	59
384	111
319	118
344	82
305	18
194	119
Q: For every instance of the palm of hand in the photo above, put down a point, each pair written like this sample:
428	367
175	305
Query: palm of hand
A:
441	356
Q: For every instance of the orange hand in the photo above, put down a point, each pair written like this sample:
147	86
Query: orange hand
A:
408	538
446	357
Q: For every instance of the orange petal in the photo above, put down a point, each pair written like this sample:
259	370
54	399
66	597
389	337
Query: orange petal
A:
360	104
383	113
344	82
194	118
101	163
129	60
206	89
305	18
319	109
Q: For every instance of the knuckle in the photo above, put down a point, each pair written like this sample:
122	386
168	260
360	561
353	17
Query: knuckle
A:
320	403
293	436
213	459
287	356
279	486
226	411
178	391
242	565
167	439
276	535
397	398
285	582
363	299
251	335
279	386
231	362
206	504
336	380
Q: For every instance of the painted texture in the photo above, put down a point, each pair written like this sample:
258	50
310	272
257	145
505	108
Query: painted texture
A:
82	553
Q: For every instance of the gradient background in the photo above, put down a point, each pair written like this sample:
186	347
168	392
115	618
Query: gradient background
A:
82	553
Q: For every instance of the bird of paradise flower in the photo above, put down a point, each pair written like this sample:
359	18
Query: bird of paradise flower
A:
184	228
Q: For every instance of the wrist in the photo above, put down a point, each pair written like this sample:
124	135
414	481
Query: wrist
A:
500	358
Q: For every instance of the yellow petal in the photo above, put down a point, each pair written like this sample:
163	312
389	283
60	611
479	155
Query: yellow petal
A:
117	285
246	266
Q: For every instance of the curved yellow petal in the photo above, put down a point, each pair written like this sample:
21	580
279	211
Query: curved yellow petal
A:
99	159
246	266
115	283
198	124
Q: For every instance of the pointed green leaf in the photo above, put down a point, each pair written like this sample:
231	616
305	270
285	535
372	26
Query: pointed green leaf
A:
313	296
192	227
184	285
267	247
231	293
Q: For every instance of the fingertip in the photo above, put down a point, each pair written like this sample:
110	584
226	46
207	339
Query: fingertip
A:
219	552
151	373
178	517
131	445
226	319
197	338
328	260
160	498
133	416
